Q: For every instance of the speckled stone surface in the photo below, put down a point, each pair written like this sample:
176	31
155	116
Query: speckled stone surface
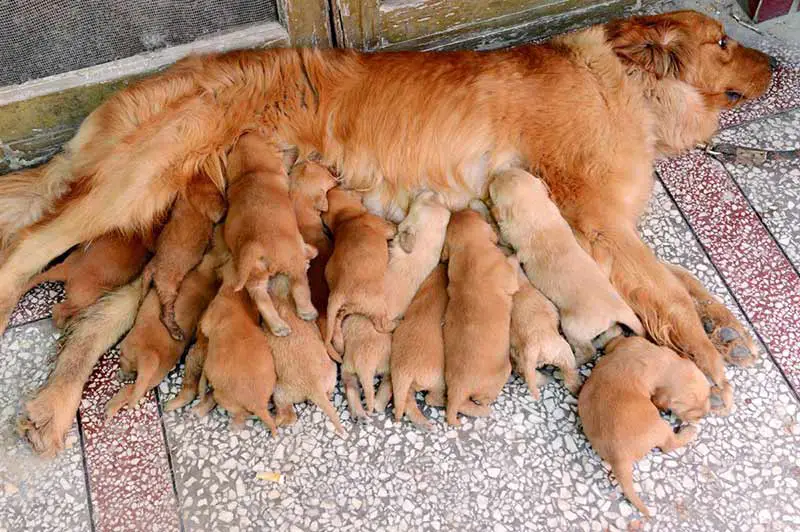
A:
761	277
37	303
35	494
126	458
774	188
527	467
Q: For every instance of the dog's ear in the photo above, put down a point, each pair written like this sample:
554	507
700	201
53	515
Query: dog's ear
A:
406	238
654	46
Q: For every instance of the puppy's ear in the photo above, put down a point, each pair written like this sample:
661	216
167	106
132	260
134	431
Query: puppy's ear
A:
653	45
321	203
406	238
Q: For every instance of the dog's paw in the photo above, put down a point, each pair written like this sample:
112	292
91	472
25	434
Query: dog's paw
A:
728	335
45	424
280	329
309	314
722	399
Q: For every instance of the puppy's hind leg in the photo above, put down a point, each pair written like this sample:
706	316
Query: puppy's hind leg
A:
384	393
301	293
195	359
322	400
352	391
260	295
130	395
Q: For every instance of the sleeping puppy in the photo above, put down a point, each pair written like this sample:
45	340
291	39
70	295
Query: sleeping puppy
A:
181	245
535	340
303	367
417	357
238	363
149	350
261	229
620	402
481	283
357	269
366	356
308	189
415	250
556	264
93	269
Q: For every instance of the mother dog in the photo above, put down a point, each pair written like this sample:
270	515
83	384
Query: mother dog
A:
588	112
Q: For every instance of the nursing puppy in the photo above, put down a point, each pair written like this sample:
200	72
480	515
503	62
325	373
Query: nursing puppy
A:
303	367
415	250
357	269
366	356
308	189
557	265
181	245
238	364
261	229
481	283
149	350
93	269
535	340
417	357
620	402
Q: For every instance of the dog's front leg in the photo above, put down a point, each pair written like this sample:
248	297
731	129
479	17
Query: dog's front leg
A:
49	415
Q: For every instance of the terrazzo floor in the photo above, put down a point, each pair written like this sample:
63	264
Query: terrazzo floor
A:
527	467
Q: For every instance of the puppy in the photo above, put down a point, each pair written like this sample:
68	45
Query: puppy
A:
357	269
481	284
304	369
535	340
310	183
366	356
261	229
181	245
415	250
417	357
238	363
557	265
93	269
149	350
619	405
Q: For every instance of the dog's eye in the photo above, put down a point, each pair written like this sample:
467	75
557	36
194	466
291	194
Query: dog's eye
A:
723	42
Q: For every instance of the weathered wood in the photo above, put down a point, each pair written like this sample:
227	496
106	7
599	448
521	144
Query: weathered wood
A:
419	24
307	22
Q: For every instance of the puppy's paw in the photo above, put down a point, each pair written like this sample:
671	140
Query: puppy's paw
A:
722	399
728	335
45	423
310	314
280	329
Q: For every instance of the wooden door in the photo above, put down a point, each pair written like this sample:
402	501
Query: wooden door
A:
447	24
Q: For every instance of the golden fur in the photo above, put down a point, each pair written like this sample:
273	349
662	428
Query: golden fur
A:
619	405
366	354
481	283
587	112
417	356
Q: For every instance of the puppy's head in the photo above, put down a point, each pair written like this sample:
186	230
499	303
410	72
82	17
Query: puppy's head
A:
693	48
312	180
691	400
466	228
511	187
342	204
427	210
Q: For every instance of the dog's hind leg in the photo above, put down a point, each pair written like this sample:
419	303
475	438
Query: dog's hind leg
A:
49	415
193	370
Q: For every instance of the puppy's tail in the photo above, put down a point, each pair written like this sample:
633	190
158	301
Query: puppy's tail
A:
246	262
322	400
336	312
623	470
401	384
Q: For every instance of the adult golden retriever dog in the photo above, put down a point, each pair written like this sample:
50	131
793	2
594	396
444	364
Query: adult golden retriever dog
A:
587	112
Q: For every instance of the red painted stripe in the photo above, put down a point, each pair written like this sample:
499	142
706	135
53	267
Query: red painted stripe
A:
758	273
127	459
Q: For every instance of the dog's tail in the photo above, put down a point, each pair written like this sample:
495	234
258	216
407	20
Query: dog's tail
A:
27	195
250	258
321	399
623	470
336	314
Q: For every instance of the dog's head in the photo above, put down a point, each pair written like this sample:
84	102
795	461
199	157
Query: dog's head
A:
695	49
342	204
312	180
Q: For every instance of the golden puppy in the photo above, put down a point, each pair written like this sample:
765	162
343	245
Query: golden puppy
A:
535	340
238	362
366	356
310	183
304	369
415	250
417	357
619	405
181	245
93	269
481	284
149	350
556	264
357	269
261	229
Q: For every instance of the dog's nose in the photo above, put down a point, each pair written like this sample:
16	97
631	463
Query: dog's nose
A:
773	62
